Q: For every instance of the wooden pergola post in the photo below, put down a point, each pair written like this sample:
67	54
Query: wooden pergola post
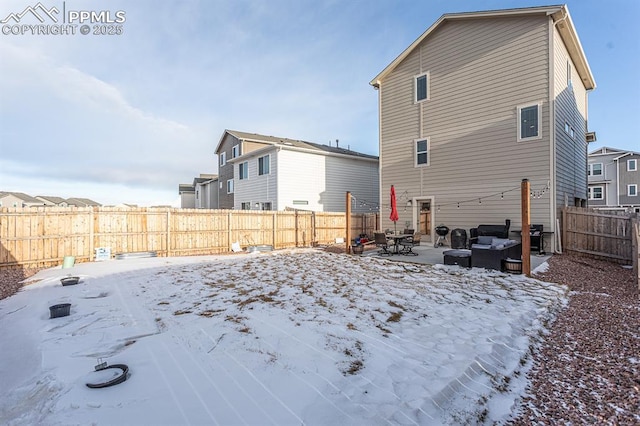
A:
348	223
525	191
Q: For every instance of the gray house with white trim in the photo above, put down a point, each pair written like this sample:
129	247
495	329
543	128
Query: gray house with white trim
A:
480	101
614	179
259	172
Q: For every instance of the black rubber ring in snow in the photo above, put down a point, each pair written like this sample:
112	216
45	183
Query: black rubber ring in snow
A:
114	381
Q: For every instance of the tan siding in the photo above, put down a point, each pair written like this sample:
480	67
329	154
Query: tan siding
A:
480	71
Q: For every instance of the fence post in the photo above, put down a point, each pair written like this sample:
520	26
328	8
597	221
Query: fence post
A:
91	225
348	221
168	232
274	222
526	237
635	252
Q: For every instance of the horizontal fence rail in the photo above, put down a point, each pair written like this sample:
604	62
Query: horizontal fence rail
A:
607	235
44	236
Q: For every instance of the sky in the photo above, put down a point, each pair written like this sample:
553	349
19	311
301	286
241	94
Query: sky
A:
126	118
208	341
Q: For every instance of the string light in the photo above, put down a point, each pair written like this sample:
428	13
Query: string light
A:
534	193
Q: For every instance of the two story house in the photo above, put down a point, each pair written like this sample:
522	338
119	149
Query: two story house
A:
201	194
614	179
479	102
258	172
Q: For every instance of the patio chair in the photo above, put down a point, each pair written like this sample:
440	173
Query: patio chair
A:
409	243
382	242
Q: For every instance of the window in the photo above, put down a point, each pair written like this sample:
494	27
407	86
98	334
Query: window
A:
595	169
569	74
220	184
243	170
263	165
245	206
632	165
266	206
632	190
300	202
595	193
422	152
235	151
223	158
421	87
529	122
566	127
230	186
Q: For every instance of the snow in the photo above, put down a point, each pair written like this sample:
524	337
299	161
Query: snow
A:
285	337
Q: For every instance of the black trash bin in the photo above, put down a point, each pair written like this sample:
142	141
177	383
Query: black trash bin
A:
458	239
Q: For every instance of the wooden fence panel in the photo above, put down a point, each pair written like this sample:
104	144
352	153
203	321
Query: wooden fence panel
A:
44	236
600	234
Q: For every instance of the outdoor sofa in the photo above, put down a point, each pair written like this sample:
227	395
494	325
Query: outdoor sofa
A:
491	252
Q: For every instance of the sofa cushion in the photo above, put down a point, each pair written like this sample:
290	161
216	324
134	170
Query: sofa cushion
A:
500	243
481	246
485	239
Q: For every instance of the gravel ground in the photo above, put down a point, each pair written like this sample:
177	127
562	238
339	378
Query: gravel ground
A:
587	370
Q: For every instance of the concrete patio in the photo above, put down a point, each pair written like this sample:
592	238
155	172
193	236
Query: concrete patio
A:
430	255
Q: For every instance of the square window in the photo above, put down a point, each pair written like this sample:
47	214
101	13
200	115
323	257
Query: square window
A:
246	205
421	87
266	206
263	165
529	122
595	169
223	158
230	186
595	193
243	170
421	152
632	165
632	190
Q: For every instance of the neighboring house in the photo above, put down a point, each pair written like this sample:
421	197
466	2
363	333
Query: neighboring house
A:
187	196
479	102
258	172
52	201
614	179
82	202
201	194
206	191
19	199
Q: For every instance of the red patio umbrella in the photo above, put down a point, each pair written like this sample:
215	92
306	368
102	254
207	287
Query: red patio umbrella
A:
394	209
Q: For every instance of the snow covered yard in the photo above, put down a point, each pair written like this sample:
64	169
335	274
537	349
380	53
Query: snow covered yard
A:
288	337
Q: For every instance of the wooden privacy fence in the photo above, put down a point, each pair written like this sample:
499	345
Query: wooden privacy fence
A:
44	236
608	235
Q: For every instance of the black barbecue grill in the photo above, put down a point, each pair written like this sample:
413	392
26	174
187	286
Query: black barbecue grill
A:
442	232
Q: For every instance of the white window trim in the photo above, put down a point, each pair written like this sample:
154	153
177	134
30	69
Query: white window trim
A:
635	165
235	151
246	164
262	156
415	152
591	169
519	112
415	87
230	186
223	158
635	189
591	192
